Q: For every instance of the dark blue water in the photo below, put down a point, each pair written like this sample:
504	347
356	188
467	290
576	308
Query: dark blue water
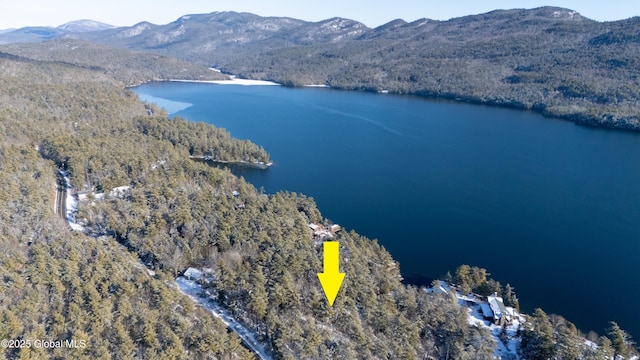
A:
548	206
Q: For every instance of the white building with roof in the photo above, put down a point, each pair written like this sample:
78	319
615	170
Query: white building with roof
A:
500	313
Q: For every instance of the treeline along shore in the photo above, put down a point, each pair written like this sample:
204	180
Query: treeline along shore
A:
255	164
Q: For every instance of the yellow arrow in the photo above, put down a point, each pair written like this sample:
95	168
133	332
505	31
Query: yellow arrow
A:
331	278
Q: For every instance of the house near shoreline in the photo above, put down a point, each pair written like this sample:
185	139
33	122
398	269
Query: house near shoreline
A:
320	233
494	310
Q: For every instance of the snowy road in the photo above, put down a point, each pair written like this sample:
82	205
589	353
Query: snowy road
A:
193	290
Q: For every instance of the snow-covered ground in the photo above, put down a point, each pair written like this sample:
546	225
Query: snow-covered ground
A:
119	192
71	203
475	318
194	291
508	350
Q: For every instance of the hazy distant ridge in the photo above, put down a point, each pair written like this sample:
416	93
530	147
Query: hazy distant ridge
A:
84	26
43	33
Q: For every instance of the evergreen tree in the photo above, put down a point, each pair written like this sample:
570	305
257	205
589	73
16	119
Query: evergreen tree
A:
537	338
568	344
510	298
463	279
605	349
618	339
259	300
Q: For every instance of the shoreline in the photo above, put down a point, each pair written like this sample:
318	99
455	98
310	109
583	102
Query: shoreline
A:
602	121
599	121
257	165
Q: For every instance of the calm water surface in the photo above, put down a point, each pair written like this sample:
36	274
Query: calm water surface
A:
548	206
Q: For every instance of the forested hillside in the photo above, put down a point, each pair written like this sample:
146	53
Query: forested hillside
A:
58	285
549	59
129	67
61	285
95	288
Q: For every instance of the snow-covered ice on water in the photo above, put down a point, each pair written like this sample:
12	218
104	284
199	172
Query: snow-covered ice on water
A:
171	106
232	81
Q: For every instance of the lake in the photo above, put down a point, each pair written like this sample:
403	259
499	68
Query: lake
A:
550	207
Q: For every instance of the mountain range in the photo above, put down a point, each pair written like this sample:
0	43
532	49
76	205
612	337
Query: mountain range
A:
41	33
548	59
